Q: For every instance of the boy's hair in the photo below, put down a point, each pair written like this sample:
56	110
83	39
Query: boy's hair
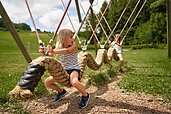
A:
63	35
118	36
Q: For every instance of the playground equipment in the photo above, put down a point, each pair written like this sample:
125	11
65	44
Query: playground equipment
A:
29	80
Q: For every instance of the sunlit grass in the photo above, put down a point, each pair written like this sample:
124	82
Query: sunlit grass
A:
149	72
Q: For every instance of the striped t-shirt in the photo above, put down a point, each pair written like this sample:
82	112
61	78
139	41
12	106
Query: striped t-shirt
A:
69	61
117	48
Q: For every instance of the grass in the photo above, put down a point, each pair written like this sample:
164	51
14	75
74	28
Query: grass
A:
101	76
13	65
148	69
149	72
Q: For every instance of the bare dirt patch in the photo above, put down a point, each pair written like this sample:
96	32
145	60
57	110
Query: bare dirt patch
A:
105	99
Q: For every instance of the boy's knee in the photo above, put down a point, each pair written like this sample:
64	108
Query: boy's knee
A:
74	82
48	81
121	59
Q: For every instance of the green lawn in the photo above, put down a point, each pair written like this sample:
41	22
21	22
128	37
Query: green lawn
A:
148	69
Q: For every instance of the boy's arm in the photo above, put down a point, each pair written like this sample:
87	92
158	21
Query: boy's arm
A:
71	49
118	44
112	44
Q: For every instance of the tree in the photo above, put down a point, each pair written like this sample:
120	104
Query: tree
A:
158	27
142	34
115	11
2	25
149	27
22	26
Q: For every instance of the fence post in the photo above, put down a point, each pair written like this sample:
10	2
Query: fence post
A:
78	11
168	13
14	33
93	25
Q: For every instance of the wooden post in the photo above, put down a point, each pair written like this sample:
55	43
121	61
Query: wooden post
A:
93	25
15	35
78	10
168	12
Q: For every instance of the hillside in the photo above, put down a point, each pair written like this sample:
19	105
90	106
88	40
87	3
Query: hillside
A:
19	26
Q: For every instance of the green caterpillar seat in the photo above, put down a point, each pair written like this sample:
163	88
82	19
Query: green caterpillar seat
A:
29	80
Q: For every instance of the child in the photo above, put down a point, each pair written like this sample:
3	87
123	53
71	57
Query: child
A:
116	44
69	59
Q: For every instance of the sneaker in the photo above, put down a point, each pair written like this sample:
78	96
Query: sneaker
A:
60	95
121	71
84	101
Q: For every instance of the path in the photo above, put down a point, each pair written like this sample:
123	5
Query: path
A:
106	99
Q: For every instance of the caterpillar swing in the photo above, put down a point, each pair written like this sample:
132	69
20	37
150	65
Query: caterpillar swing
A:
32	75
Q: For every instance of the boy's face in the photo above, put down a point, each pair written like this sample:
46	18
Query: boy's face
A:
70	40
116	38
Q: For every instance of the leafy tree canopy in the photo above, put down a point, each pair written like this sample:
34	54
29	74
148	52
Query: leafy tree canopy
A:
20	26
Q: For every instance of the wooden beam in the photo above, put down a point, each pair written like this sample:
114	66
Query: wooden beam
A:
78	10
14	33
168	12
93	24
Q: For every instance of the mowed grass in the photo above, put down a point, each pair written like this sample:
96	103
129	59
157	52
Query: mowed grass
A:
149	70
13	63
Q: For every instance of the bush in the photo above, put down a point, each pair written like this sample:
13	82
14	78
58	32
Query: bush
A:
141	46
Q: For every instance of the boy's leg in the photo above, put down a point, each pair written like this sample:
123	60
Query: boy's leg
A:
76	83
49	82
121	62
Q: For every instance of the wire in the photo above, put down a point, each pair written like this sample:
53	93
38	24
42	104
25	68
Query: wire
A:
51	40
39	40
119	19
95	3
129	17
71	22
133	21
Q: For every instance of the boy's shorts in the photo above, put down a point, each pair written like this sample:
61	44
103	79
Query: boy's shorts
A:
69	71
119	55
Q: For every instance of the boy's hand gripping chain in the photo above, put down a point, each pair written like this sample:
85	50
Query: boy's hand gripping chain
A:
45	51
42	47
